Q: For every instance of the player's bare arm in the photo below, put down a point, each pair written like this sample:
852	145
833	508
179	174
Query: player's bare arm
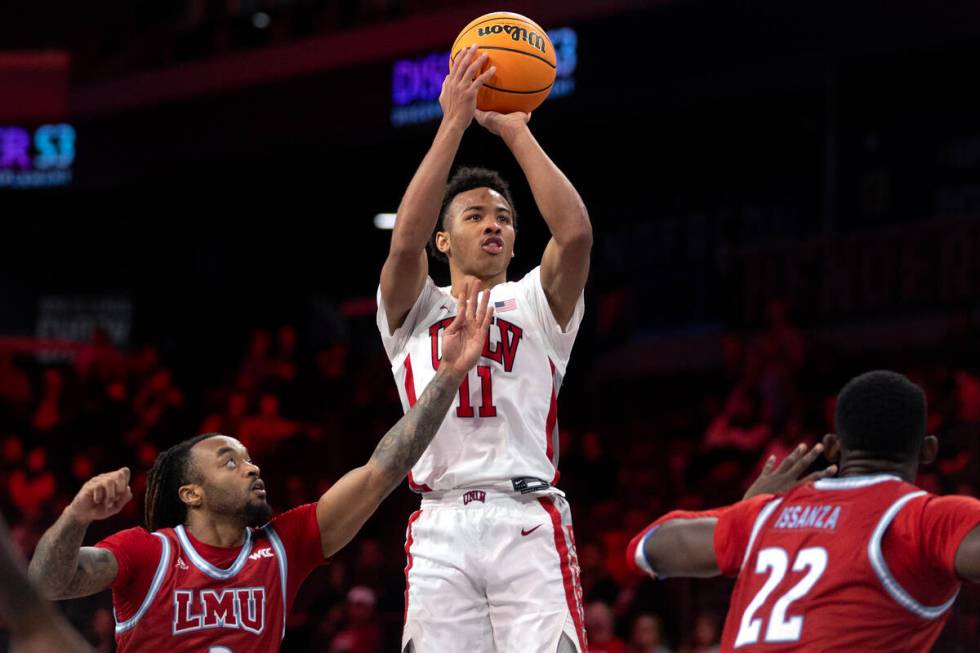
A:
967	560
34	624
683	547
61	567
344	508
565	264
406	267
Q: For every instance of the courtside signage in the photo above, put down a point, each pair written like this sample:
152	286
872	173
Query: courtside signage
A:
39	157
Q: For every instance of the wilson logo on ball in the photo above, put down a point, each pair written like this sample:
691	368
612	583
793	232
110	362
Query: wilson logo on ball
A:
535	40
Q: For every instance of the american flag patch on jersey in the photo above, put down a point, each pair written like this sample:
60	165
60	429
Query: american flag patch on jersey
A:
506	305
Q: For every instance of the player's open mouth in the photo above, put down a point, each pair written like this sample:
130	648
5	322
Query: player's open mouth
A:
259	488
493	245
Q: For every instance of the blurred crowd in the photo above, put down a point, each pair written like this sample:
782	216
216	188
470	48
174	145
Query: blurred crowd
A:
636	449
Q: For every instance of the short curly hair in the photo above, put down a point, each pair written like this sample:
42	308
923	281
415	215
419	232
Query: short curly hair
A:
463	180
882	413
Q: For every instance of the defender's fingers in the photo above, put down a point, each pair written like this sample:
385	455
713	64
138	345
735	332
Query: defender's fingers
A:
791	459
805	461
770	463
488	317
474	302
484	303
98	493
464	294
823	473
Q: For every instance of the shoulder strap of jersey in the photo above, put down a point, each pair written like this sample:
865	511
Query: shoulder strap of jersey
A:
884	574
280	550
151	594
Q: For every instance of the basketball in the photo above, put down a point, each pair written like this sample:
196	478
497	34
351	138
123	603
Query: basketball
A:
523	55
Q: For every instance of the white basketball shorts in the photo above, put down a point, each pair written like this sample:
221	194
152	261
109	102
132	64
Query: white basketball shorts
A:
492	572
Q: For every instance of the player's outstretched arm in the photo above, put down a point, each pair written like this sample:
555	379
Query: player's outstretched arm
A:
61	567
967	560
35	626
565	264
682	547
404	272
344	508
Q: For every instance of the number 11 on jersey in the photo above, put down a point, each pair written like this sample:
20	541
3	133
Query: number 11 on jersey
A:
487	409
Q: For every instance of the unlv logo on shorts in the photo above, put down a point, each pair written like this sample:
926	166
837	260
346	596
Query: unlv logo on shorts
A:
237	608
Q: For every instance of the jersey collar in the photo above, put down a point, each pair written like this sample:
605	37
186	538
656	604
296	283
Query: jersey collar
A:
215	572
853	482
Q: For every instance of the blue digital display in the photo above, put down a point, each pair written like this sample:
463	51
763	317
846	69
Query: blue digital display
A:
38	158
416	83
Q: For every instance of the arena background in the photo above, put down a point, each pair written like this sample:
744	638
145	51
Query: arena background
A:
782	195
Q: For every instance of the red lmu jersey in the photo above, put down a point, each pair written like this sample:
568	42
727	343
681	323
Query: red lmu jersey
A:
851	564
504	422
174	593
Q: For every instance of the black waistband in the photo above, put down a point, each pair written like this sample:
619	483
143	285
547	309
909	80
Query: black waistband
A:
528	484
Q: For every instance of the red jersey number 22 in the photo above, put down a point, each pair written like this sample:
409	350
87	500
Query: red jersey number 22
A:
775	561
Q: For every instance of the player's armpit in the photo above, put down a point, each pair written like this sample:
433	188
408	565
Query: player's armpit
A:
564	271
96	570
683	547
967	561
402	280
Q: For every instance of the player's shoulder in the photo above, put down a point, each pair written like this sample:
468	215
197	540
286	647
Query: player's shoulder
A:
928	505
301	519
133	542
134	534
533	277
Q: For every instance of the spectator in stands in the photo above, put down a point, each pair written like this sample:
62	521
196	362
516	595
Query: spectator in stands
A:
15	386
361	634
260	433
646	635
600	626
707	636
99	359
32	489
739	425
47	415
597	584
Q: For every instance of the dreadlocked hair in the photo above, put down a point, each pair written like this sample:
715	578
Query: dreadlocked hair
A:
170	470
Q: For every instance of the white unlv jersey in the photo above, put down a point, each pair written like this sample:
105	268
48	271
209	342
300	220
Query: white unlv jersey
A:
505	421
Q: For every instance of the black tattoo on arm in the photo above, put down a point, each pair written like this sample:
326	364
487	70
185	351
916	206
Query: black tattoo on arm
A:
63	569
404	443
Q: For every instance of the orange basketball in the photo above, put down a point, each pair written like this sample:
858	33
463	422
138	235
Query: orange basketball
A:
523	55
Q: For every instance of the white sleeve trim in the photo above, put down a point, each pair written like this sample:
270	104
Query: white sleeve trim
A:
396	343
640	557
151	594
890	583
557	340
